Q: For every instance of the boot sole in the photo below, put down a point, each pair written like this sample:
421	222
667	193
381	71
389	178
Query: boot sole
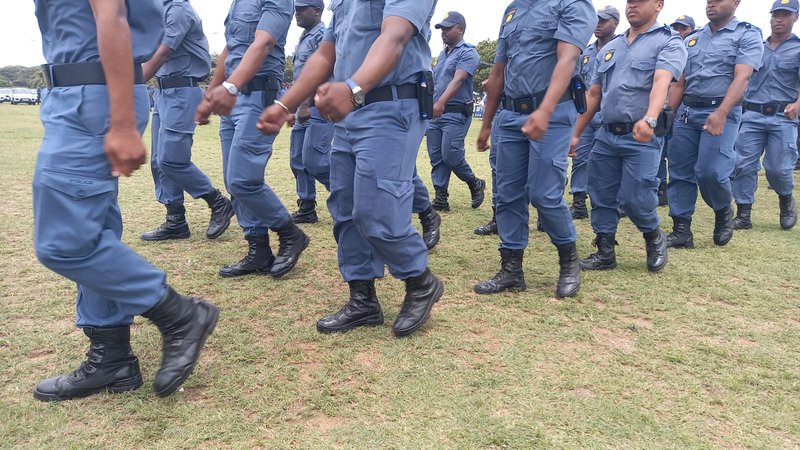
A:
569	294
168	238
244	274
739	227
723	243
296	260
485	233
436	296
658	268
126	385
224	229
188	371
516	288
371	321
608	267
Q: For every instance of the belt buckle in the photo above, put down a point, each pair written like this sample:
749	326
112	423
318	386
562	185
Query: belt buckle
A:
618	130
713	102
770	109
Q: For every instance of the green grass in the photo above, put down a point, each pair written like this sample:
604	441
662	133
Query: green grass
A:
703	355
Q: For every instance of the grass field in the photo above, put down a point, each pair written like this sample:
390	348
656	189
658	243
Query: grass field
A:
703	355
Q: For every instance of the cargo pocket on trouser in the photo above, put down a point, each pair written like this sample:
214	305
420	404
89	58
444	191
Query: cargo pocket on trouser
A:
726	164
386	213
642	198
71	210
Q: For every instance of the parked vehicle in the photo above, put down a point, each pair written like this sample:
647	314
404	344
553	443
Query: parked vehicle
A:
5	95
22	95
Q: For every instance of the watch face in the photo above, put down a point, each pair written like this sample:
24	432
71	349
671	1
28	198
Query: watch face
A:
358	98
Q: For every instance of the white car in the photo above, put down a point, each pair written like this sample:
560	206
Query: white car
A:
5	95
21	95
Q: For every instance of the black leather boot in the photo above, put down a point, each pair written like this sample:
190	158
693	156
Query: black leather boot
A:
422	292
788	211
110	366
489	228
723	225
477	189
606	257
363	309
431	223
663	200
681	236
184	323
440	202
221	213
259	259
656	246
742	219
509	278
578	208
306	212
292	242
569	277
174	227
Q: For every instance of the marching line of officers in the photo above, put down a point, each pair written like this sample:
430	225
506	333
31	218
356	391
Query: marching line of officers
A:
364	97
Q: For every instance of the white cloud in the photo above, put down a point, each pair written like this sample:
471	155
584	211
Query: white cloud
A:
21	43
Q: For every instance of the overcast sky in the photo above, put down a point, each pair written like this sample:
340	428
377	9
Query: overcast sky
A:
20	42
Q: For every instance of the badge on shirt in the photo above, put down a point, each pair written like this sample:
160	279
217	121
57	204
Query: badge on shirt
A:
510	15
585	60
609	56
692	42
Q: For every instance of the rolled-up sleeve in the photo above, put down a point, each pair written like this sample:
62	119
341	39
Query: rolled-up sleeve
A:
469	61
415	11
672	57
751	49
178	22
577	23
276	16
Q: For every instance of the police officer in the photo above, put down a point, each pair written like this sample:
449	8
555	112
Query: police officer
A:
607	21
452	112
310	143
181	62
685	26
631	80
379	57
537	53
94	113
253	62
722	57
769	122
491	227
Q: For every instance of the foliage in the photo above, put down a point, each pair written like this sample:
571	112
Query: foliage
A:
487	50
22	76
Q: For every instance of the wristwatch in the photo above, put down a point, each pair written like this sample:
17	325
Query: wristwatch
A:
231	88
358	97
651	121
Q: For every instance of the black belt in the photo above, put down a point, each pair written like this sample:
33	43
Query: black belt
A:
78	74
527	105
460	108
177	82
619	128
703	102
767	109
268	83
385	94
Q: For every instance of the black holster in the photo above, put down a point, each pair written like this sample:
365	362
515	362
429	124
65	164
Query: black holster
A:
665	122
578	89
425	95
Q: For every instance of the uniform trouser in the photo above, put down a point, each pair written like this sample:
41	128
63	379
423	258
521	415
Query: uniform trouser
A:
534	171
77	221
662	164
446	150
373	166
172	135
776	138
310	148
580	162
493	159
624	175
245	152
698	159
421	200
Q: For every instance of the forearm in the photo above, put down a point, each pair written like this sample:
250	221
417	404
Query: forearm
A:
734	94
676	94
159	58
494	89
317	70
251	61
385	53
562	74
219	73
593	99
116	55
452	90
658	93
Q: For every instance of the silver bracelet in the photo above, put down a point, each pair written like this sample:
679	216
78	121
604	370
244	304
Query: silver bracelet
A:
285	108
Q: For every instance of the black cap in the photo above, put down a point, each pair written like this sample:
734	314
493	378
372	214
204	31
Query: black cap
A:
452	19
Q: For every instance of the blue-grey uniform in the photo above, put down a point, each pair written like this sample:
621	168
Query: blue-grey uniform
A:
245	151
696	158
528	170
77	221
580	174
624	171
374	154
310	144
173	124
446	134
765	129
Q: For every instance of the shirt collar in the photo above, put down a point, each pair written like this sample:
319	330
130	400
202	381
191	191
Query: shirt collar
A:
791	38
731	26
315	29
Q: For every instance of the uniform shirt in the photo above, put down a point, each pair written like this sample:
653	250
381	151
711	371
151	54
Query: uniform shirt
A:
712	57
779	76
69	32
356	24
625	72
463	57
247	16
309	42
183	34
587	63
529	37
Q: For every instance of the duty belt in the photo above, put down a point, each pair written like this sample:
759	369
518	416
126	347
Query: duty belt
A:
177	82
460	108
767	109
527	105
79	74
386	94
703	102
619	128
266	83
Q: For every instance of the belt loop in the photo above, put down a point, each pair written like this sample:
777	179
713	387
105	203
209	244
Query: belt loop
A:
395	97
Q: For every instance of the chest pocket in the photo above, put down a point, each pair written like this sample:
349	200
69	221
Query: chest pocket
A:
243	24
371	10
642	70
788	66
725	56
